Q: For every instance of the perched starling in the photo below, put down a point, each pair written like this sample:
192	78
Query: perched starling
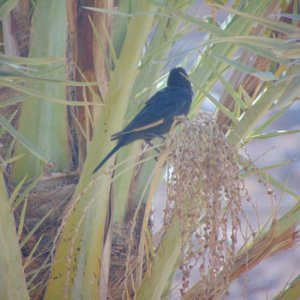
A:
157	116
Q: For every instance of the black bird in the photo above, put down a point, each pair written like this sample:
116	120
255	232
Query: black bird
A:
157	116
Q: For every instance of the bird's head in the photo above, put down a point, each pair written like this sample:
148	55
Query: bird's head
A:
178	77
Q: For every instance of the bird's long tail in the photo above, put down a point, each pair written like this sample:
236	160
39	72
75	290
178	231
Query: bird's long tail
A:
109	155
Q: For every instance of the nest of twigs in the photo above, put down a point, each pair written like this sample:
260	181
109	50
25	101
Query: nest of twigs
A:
46	204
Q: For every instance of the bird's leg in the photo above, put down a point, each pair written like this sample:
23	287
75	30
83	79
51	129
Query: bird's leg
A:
149	143
161	137
155	135
177	120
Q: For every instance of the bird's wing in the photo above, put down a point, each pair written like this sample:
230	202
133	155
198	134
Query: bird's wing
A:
161	107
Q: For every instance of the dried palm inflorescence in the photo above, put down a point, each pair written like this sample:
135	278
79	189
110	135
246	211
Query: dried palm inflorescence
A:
205	191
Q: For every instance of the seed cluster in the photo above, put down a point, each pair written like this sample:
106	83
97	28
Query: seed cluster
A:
205	191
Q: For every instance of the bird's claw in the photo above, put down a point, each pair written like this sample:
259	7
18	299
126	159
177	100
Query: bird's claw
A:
180	118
